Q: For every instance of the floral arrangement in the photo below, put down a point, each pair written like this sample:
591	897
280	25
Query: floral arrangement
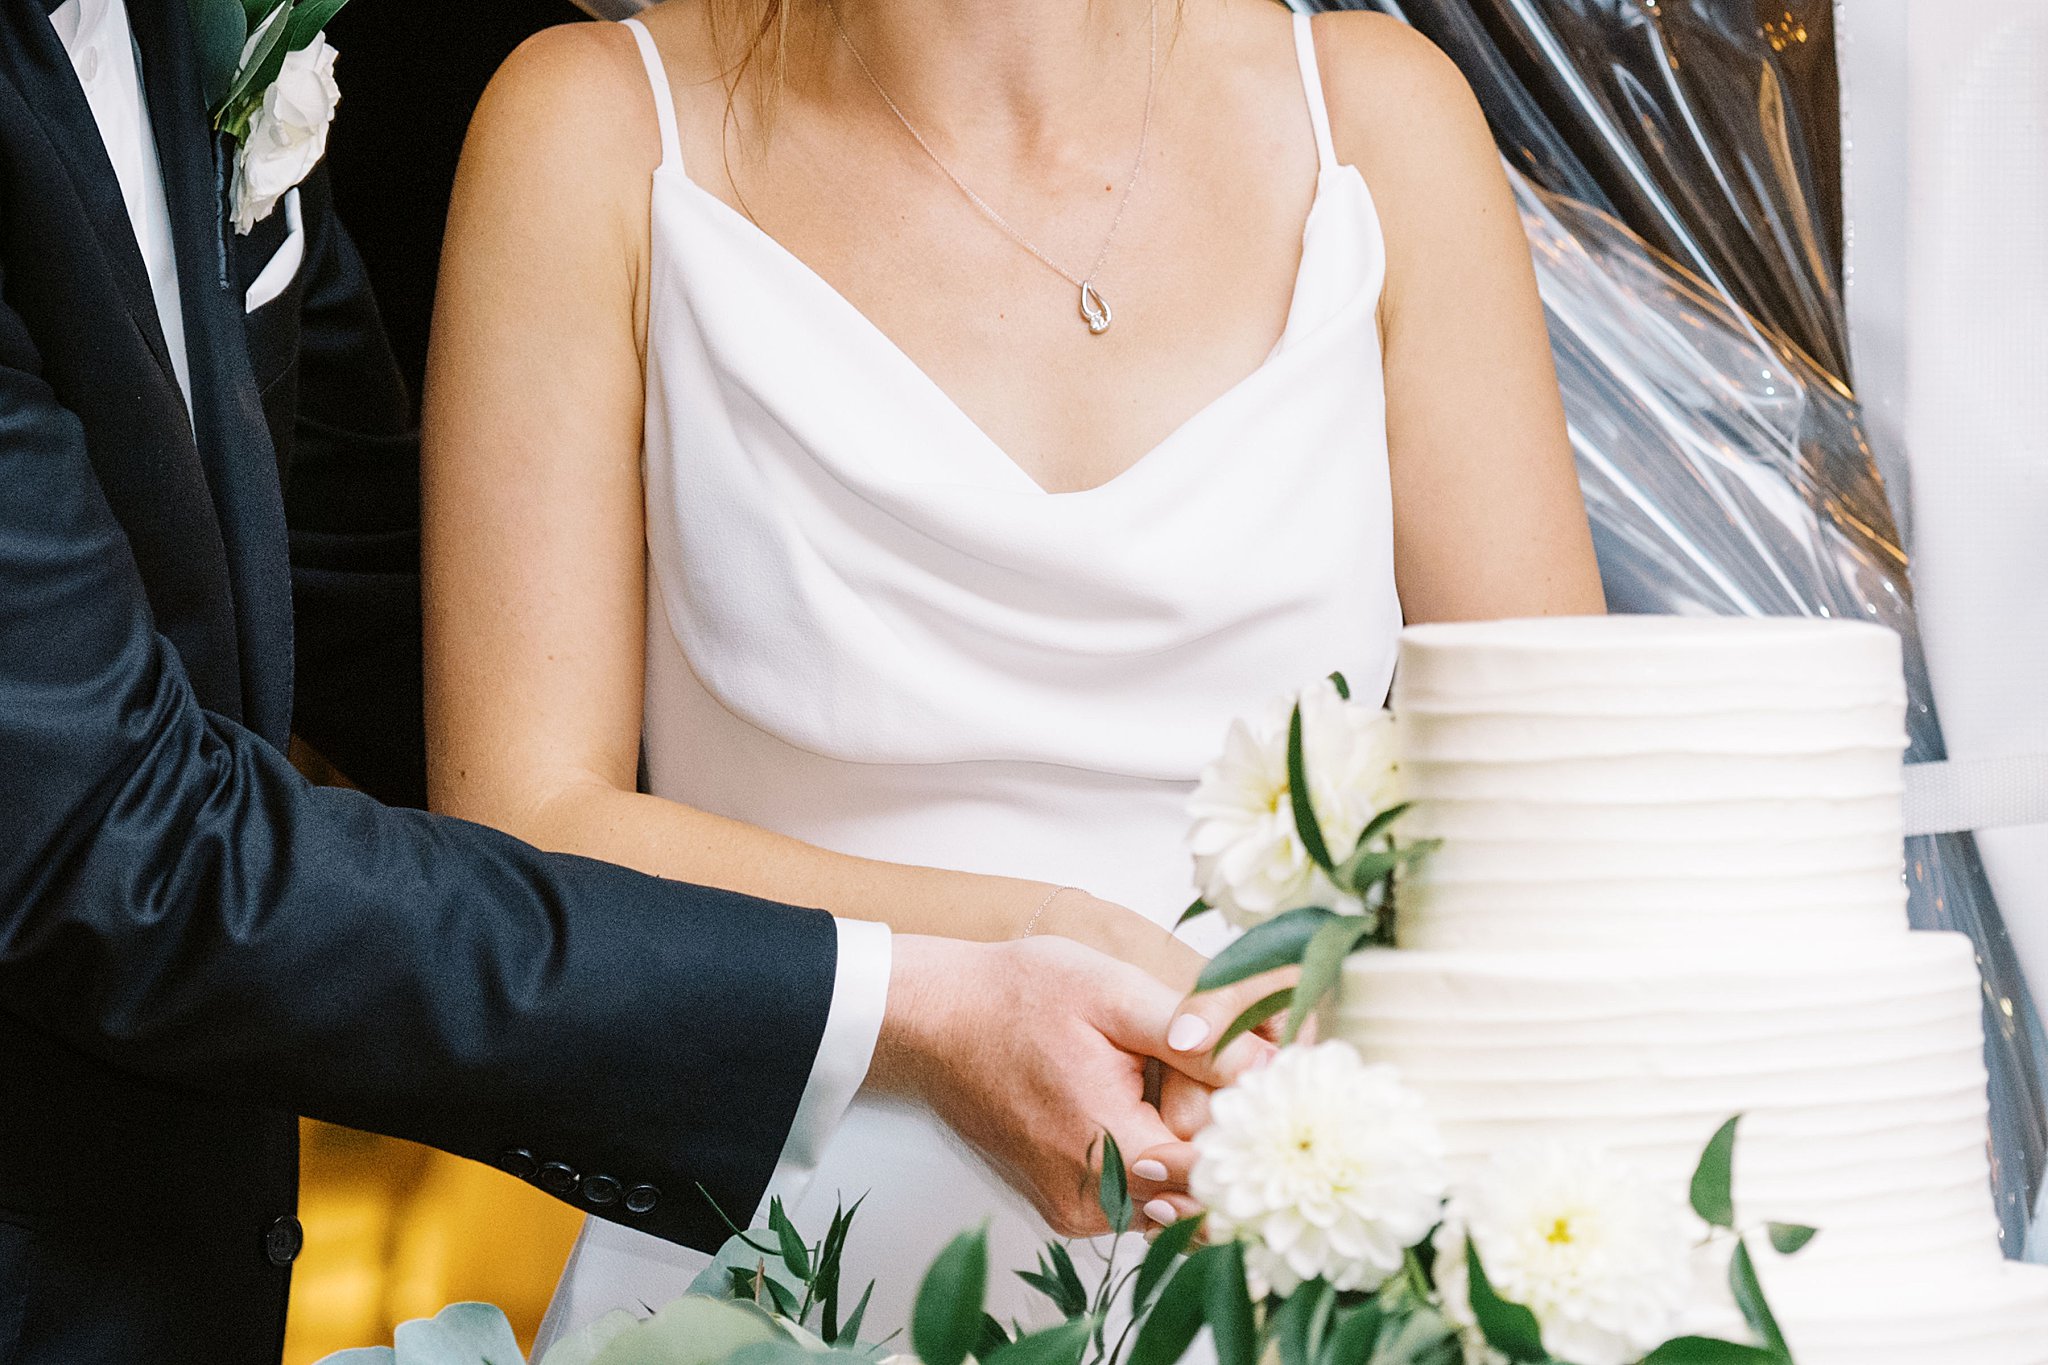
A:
1335	1233
268	75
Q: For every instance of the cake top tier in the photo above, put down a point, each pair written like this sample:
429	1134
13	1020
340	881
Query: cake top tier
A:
1648	665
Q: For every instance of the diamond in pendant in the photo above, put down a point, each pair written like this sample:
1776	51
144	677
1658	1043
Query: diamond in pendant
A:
1094	308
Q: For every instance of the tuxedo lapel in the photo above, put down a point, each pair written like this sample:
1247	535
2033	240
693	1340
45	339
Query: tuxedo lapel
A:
30	49
234	441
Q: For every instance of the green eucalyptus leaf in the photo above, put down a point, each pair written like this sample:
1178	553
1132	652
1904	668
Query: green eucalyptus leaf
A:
1233	1325
1791	1238
1295	1329
1279	942
794	1254
1074	1301
850	1329
1061	1345
1713	1195
1177	1316
1113	1191
361	1355
1305	822
1367	868
1384	821
1508	1327
1253	1016
946	1319
1193	912
461	1332
1322	966
1353	1333
690	1331
781	1296
739	1261
789	1353
992	1338
1749	1297
1709	1351
219	28
1159	1258
1342	684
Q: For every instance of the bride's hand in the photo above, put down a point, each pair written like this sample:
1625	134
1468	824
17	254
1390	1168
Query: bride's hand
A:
1123	934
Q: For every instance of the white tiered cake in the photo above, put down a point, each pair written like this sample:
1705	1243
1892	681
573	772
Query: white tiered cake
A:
1670	891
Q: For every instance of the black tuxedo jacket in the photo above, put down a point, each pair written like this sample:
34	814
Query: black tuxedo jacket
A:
195	944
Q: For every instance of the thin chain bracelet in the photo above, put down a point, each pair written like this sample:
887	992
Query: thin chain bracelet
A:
1043	906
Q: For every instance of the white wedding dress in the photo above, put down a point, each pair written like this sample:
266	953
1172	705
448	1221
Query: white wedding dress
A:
870	629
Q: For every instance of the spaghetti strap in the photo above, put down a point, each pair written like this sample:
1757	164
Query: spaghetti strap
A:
1312	87
664	97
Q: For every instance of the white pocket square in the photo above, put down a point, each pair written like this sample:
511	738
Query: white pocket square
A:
282	267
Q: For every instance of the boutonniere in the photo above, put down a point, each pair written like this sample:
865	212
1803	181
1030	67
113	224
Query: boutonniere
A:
269	77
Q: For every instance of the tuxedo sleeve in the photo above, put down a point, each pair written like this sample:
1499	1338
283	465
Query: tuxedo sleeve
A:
177	902
352	501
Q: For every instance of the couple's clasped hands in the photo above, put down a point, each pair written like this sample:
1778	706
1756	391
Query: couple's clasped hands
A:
1032	1049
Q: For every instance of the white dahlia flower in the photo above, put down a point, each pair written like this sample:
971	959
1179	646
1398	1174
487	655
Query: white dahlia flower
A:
1599	1253
1249	860
1323	1166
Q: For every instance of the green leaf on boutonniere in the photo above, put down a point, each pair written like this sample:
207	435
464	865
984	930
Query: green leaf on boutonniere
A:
1709	1351
254	12
1322	965
308	19
256	75
219	28
1713	1180
1279	942
1305	822
1791	1238
1253	1016
1749	1297
1114	1190
1508	1328
945	1322
1159	1258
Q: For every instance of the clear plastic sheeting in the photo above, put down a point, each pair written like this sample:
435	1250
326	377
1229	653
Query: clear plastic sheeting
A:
1685	119
1726	474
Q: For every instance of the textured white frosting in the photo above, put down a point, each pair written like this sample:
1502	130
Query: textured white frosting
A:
1638	781
1670	891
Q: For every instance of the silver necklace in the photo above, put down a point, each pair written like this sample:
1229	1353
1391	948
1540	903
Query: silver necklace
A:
1094	308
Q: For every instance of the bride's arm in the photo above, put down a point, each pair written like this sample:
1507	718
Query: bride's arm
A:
534	552
1488	521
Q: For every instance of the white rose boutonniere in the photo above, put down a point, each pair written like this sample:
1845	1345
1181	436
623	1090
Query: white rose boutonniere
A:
268	70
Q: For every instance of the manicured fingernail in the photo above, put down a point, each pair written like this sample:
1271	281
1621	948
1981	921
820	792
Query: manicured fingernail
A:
1162	1213
1149	1169
1188	1033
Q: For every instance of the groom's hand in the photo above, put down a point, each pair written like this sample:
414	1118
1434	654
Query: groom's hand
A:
1031	1050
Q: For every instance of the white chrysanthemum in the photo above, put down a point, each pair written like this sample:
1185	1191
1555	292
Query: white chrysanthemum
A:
1601	1254
1323	1166
1249	859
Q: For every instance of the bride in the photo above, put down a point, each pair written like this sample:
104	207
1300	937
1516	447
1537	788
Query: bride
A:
874	448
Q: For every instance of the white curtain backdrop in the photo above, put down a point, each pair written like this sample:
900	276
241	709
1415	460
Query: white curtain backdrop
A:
1945	111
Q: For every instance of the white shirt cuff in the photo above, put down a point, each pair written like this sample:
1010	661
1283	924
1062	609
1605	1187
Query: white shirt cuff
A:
860	993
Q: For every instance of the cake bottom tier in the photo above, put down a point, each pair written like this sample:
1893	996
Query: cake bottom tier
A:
1993	1314
1858	1070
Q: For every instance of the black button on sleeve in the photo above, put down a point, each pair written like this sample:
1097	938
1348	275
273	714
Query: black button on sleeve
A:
518	1162
642	1199
283	1240
601	1191
558	1179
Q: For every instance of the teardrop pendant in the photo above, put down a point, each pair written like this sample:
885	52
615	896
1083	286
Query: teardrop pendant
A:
1094	309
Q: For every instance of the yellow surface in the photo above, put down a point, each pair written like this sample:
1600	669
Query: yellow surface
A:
395	1231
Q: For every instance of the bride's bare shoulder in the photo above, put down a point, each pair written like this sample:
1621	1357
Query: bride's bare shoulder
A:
1399	107
572	105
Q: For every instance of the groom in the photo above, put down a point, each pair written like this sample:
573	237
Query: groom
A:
206	545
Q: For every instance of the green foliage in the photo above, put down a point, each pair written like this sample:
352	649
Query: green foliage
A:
1195	911
946	1319
219	28
1277	943
1061	1345
1168	1246
234	89
1791	1238
1322	966
1114	1192
1508	1327
1305	822
1252	1017
1232	1323
1709	1351
1749	1297
1297	1329
1713	1196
